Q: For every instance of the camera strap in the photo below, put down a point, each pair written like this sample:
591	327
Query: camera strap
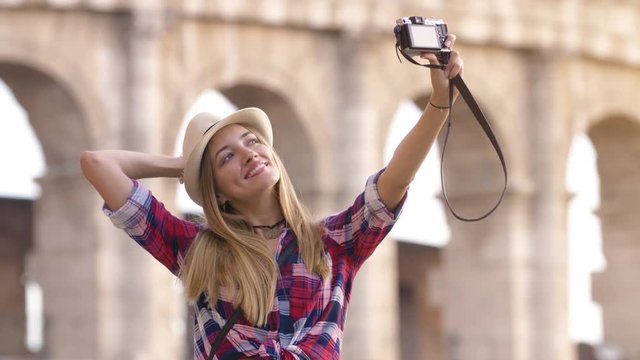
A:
482	120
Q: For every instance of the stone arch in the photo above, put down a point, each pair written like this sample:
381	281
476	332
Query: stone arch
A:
297	129
278	62
617	143
18	190
53	111
473	167
82	58
60	68
411	82
291	140
64	236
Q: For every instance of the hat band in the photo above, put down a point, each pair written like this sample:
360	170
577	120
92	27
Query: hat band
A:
209	128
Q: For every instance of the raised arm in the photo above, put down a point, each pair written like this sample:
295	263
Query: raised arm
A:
413	149
110	171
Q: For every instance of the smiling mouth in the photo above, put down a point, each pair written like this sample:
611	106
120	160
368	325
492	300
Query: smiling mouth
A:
257	170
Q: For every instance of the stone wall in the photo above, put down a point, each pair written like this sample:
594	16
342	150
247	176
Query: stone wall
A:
122	74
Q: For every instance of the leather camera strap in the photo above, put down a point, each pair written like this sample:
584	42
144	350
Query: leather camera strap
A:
482	120
238	312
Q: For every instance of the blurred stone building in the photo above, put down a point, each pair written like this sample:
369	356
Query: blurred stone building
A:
95	74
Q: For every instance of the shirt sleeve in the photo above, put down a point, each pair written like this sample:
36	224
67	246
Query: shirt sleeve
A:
152	226
359	229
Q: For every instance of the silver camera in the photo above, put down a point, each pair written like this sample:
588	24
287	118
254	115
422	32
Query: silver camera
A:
417	34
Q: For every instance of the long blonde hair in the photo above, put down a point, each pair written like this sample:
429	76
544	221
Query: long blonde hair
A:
230	255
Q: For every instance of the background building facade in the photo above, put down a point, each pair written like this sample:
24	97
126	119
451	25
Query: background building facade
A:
98	74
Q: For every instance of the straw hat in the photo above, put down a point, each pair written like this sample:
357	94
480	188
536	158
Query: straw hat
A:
201	129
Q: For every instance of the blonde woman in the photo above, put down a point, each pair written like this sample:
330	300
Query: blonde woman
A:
258	254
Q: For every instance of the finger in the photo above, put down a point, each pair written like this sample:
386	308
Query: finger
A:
454	56
431	57
451	39
456	69
454	66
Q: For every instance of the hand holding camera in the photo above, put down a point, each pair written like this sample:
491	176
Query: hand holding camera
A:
429	38
440	79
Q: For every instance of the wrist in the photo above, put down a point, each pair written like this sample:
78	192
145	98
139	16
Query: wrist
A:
166	166
438	107
439	101
177	167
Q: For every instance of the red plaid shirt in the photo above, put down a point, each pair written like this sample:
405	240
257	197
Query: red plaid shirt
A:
308	316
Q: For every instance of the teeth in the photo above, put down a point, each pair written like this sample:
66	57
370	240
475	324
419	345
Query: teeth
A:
252	172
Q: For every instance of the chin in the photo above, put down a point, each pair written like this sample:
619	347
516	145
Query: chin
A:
274	181
274	175
269	180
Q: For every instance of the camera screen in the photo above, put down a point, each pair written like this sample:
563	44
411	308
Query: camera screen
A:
424	36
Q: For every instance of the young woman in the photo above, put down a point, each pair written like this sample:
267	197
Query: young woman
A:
292	302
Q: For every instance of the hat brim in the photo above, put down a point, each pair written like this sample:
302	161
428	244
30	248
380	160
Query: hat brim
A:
252	117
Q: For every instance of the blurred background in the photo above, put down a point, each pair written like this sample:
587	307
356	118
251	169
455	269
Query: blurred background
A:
552	274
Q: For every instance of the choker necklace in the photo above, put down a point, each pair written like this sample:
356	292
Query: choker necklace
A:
270	231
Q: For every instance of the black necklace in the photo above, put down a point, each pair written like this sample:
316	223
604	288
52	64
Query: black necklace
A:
270	231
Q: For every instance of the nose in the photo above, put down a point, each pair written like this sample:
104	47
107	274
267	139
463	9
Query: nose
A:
251	155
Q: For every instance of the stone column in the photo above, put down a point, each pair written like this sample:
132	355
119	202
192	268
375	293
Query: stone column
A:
484	269
64	263
505	277
548	142
105	297
144	314
371	329
65	238
141	312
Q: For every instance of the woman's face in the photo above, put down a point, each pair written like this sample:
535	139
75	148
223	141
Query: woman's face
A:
243	167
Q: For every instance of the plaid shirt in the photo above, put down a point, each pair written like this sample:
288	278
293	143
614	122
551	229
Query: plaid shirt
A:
308	316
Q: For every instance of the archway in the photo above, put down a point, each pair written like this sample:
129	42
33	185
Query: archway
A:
478	262
423	207
21	156
617	143
585	240
421	232
63	259
291	139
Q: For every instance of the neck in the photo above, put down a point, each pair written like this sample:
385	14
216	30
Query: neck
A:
262	210
276	225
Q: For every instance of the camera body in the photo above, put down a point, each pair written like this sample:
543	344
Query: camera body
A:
417	34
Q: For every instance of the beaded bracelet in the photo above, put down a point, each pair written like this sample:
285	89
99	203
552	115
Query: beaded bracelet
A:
441	108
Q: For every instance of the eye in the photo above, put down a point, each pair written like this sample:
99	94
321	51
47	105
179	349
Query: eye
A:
253	141
226	157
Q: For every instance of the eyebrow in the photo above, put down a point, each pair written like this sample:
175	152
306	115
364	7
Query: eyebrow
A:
227	146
